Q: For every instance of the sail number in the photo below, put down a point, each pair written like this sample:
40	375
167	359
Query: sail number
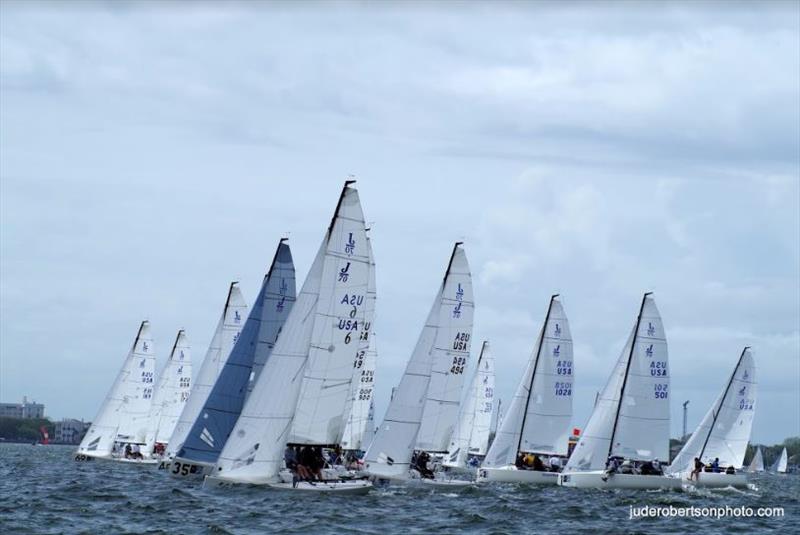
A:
461	342
458	365
563	388
183	469
746	404
564	367
660	391
147	377
658	369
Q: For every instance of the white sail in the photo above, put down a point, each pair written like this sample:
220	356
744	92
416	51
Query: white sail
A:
170	394
227	332
471	435
631	417
254	451
757	464
450	359
725	430
389	454
357	408
539	416
369	429
123	417
781	463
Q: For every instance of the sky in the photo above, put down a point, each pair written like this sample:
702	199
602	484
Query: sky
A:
151	153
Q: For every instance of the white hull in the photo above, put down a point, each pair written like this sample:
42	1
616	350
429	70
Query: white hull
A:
510	474
444	483
594	480
716	480
91	457
359	486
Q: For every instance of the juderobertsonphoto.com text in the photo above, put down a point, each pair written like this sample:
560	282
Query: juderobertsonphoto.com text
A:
742	511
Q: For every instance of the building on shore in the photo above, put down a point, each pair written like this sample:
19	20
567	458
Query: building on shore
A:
22	410
70	431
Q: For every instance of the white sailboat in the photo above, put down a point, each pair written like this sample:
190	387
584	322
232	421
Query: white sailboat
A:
757	464
169	398
227	332
781	463
445	335
539	416
471	436
300	397
631	418
724	432
123	417
219	414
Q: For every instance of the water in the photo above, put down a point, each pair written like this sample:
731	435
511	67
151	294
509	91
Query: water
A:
42	490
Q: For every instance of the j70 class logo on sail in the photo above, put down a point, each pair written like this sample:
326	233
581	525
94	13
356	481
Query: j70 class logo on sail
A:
557	350
651	330
350	245
283	287
279	306
459	293
457	310
557	331
344	273
649	350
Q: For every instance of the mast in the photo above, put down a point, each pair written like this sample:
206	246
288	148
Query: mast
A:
722	401
627	369
533	372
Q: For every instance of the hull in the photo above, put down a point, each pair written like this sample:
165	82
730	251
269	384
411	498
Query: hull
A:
716	480
510	474
594	480
359	486
444	483
178	467
90	457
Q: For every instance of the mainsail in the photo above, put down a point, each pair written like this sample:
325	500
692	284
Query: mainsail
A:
303	388
124	414
217	418
471	435
171	393
357	408
725	430
631	417
450	358
447	330
227	332
781	463
539	416
757	464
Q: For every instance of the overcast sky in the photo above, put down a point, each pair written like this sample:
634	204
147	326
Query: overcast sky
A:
150	154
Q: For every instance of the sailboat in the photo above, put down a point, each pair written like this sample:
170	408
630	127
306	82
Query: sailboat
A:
631	418
445	335
539	416
225	335
757	464
123	417
781	463
169	398
300	396
724	431
252	350
471	436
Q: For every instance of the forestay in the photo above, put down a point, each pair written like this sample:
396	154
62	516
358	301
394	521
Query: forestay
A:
225	335
389	454
539	416
171	393
725	430
450	357
631	417
471	435
123	415
318	322
217	418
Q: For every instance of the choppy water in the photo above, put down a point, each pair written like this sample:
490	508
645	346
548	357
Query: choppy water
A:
42	490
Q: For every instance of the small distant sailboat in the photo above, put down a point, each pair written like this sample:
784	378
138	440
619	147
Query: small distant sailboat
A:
445	336
227	332
300	396
123	417
757	464
471	436
169	398
724	432
252	349
631	418
539	416
781	464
